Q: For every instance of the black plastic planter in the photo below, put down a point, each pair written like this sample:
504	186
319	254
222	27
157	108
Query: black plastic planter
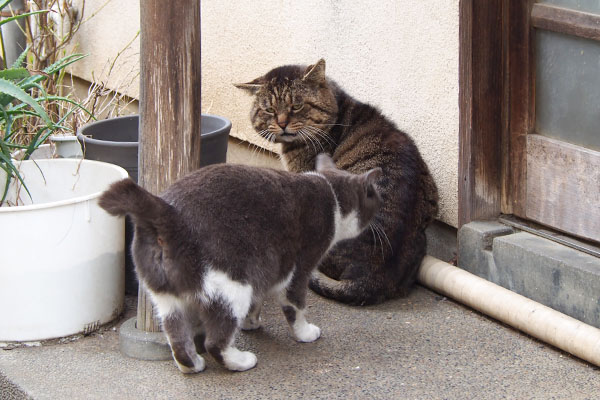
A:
115	141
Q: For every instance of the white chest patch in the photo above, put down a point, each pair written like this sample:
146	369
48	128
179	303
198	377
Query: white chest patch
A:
217	285
346	226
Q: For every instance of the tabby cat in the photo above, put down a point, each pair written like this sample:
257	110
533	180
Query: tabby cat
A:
308	113
220	239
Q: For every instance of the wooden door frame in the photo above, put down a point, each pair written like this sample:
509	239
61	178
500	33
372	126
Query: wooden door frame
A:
497	113
496	107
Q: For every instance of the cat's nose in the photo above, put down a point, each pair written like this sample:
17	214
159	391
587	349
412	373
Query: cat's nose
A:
282	120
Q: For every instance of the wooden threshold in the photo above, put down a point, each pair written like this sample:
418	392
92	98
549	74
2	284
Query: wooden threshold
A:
590	248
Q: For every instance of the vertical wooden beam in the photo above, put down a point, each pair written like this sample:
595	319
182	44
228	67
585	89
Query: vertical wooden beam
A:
465	62
481	100
520	104
169	103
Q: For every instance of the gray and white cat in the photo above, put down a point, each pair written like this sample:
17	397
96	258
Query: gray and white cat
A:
215	243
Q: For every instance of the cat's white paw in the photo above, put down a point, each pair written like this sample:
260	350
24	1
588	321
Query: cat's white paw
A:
251	324
236	360
199	365
307	333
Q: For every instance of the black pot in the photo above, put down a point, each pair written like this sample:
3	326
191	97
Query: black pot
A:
115	141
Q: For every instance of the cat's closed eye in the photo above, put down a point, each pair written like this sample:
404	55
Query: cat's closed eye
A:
298	106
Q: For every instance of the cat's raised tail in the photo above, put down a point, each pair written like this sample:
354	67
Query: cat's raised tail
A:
126	197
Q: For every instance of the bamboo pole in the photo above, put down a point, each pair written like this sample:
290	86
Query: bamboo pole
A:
169	138
535	319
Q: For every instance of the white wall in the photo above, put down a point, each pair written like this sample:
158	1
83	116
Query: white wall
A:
399	55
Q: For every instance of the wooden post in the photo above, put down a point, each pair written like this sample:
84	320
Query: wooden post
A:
169	104
481	115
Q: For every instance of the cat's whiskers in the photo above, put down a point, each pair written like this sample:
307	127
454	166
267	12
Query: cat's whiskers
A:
321	134
252	147
261	150
374	238
383	234
257	150
307	139
377	238
315	142
311	134
318	142
263	133
333	124
271	139
299	133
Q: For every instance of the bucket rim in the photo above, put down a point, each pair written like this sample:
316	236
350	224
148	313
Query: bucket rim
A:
89	140
73	200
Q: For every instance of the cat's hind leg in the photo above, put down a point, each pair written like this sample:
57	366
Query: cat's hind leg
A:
292	300
221	328
252	320
181	339
193	313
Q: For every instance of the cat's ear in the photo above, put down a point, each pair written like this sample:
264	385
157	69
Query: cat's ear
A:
251	87
372	176
315	73
369	181
324	162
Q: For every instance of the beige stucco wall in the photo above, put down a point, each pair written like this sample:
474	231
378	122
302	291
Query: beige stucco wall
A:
109	37
399	55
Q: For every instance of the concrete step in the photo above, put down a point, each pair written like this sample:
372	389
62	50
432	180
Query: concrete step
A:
550	273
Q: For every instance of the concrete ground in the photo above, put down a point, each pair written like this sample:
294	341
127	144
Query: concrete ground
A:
422	347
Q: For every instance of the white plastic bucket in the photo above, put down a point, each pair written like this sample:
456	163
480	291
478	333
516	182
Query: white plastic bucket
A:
61	256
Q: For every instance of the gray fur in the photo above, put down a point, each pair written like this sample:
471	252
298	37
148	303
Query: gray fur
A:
215	243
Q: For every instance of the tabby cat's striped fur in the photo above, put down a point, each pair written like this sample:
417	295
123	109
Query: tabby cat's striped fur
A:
308	113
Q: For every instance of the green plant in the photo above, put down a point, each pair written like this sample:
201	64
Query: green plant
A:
24	102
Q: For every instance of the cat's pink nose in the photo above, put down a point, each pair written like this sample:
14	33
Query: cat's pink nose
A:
282	124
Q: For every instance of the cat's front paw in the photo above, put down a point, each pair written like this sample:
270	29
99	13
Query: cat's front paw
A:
199	365
236	360
307	333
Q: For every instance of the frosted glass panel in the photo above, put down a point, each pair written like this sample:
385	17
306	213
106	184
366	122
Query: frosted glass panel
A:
567	92
589	6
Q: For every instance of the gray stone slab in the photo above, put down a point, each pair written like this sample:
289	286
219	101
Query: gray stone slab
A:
550	273
475	247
